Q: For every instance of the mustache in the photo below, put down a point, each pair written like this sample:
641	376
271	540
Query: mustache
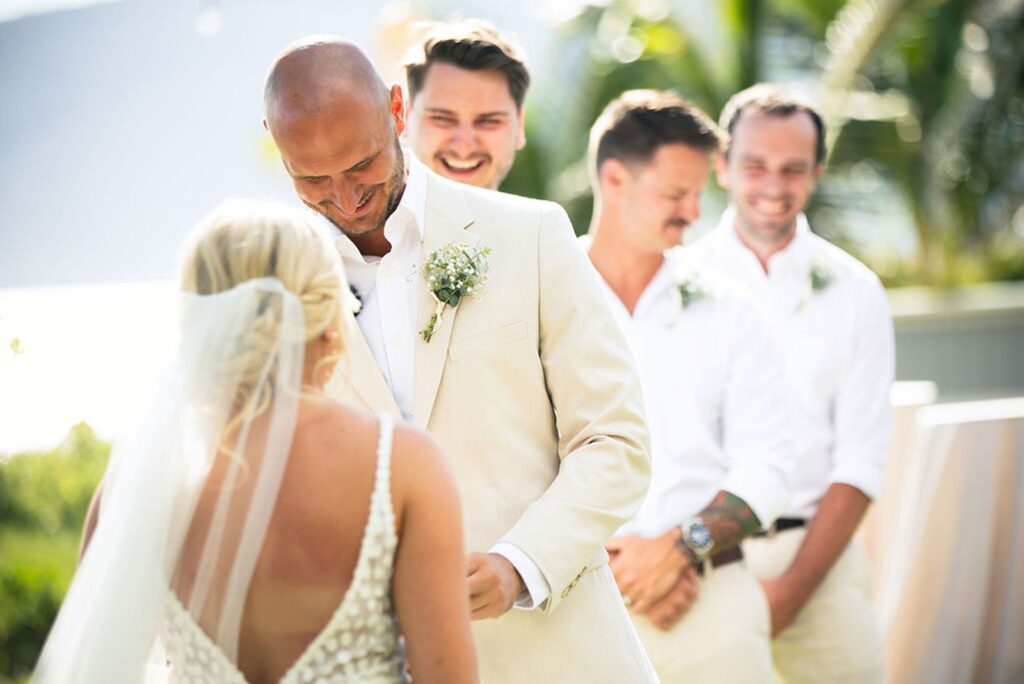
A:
677	223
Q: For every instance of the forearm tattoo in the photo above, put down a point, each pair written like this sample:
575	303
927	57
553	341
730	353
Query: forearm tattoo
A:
730	520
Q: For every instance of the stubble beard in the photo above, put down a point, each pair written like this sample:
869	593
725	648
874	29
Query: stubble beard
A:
501	172
768	235
394	186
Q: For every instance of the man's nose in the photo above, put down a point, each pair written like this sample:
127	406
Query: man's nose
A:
689	209
464	140
345	194
773	183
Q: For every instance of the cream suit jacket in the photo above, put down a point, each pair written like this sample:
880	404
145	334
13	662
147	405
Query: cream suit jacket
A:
531	392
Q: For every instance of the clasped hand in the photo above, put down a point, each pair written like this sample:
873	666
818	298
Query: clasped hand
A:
654	577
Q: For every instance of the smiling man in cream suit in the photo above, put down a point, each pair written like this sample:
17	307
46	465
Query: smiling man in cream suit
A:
528	387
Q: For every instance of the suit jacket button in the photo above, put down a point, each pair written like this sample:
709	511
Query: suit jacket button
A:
575	581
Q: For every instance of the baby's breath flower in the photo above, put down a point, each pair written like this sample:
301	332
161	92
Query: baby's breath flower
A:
452	272
820	276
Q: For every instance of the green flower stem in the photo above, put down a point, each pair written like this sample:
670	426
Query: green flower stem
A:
435	318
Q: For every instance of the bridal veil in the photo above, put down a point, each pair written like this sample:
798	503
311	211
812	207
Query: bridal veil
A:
187	498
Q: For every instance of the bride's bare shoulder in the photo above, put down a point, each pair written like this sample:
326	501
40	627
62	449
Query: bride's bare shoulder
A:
325	420
327	429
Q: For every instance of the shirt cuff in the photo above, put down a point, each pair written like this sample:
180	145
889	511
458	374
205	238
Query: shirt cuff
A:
858	471
537	588
763	488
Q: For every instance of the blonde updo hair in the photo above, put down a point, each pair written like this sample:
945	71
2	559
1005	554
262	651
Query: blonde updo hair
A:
243	240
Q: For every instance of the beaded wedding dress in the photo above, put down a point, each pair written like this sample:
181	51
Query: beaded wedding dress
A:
187	499
359	644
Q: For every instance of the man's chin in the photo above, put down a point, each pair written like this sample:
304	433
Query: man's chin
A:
357	227
475	178
772	227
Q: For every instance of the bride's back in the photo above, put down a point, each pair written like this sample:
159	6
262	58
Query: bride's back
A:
314	537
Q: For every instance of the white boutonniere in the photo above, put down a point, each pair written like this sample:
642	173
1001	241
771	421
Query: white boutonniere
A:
453	272
819	277
693	286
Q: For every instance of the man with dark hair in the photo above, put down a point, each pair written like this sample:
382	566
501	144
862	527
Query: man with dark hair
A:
529	390
713	384
466	86
765	98
832	316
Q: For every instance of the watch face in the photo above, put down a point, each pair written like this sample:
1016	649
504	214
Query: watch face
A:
700	535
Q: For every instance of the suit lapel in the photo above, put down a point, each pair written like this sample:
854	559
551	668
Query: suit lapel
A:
363	373
447	218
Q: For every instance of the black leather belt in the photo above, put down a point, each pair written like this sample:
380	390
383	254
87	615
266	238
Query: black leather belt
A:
781	525
724	558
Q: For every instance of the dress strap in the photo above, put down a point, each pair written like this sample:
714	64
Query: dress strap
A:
387	430
380	502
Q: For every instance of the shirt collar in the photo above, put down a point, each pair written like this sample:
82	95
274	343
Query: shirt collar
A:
408	218
793	258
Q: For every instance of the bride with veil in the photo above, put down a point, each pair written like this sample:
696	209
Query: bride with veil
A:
251	529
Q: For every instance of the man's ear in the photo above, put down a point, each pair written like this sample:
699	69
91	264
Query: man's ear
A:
722	170
521	136
397	107
613	177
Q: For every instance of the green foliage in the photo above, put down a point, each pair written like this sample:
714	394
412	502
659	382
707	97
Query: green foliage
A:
953	145
925	99
43	500
614	46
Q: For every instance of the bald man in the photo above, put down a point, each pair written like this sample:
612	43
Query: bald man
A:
529	388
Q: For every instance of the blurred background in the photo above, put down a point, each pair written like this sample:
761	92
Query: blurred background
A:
126	120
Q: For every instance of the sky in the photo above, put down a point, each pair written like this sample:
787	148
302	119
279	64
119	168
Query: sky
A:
123	123
88	353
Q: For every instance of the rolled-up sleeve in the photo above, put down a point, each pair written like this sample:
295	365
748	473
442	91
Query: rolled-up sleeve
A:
862	410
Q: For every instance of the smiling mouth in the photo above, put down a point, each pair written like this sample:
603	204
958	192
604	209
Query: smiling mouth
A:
770	207
362	203
360	209
462	165
363	206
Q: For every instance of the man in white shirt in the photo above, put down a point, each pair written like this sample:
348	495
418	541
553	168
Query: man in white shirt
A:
466	86
832	316
530	389
713	384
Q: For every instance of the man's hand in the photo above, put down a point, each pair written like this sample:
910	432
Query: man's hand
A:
493	585
646	569
828	534
783	604
675	604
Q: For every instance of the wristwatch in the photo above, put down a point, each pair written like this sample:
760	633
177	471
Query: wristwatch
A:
697	537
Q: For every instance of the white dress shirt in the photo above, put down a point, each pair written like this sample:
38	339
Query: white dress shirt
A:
387	289
839	353
386	286
712	378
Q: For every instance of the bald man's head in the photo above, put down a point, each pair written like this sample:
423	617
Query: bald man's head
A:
337	125
310	73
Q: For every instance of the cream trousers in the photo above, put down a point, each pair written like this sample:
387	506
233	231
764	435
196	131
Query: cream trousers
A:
724	638
835	637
